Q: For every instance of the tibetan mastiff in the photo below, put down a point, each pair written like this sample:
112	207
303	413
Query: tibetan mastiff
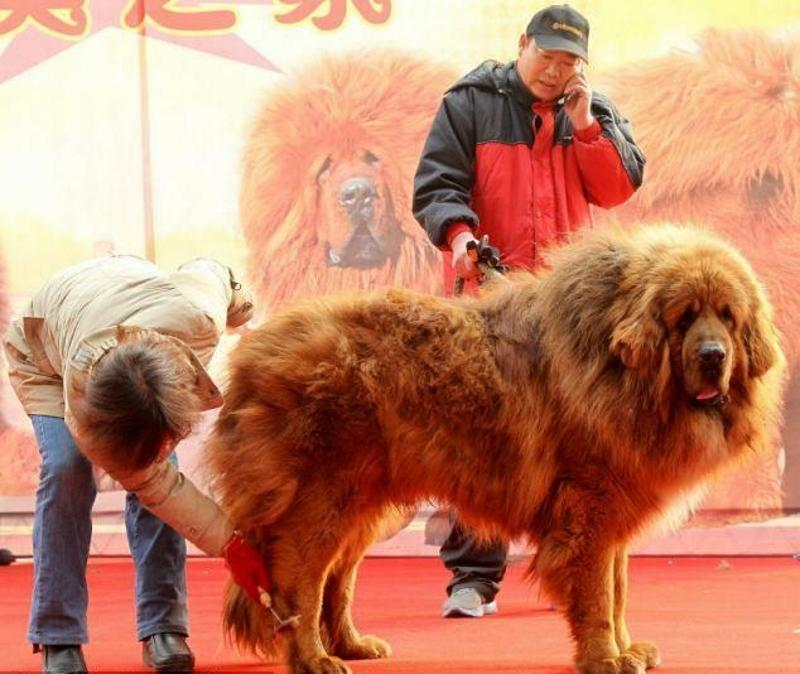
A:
574	408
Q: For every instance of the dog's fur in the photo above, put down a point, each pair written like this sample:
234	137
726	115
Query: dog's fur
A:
565	408
325	201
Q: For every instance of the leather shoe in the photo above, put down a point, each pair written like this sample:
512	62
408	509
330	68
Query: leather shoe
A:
167	652
63	660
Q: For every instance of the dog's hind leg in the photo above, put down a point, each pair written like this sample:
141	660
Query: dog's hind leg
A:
343	637
306	547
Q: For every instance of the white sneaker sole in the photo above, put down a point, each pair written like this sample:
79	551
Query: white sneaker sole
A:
477	612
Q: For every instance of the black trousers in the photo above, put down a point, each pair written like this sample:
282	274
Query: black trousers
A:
473	565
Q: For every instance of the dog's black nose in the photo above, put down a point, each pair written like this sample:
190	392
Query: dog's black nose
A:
711	353
357	192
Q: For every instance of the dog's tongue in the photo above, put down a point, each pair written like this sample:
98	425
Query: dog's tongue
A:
708	393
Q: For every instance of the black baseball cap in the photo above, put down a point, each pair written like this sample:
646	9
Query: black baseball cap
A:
560	28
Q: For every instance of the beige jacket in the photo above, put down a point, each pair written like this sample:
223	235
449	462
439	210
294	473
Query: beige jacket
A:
73	320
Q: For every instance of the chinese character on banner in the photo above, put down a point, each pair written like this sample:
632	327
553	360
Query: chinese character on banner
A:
169	17
373	11
51	15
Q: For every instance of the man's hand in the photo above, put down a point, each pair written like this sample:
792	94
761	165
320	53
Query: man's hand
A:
241	307
578	101
462	263
246	566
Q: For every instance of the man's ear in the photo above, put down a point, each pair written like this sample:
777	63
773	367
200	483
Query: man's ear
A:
209	394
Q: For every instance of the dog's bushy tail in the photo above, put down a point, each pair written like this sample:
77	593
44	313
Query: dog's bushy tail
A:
249	626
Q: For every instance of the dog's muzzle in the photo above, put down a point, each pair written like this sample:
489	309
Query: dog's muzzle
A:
711	359
362	250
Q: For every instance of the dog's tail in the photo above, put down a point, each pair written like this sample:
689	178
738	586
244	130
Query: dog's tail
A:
249	626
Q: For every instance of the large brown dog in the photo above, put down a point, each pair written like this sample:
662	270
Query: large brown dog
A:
325	201
573	409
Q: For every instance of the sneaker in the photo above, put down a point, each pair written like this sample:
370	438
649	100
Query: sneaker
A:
467	603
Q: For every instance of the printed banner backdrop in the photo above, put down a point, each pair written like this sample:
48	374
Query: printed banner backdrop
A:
173	129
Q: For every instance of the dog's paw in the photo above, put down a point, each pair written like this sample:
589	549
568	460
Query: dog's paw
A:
630	664
604	666
646	652
324	664
366	647
624	664
636	659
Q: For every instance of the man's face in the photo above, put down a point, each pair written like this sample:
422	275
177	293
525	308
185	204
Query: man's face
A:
544	72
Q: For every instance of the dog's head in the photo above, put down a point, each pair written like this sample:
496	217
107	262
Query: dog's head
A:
360	229
325	199
696	321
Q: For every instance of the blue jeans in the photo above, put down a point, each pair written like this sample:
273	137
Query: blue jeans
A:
62	531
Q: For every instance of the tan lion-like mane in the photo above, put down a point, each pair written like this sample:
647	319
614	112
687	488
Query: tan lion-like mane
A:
336	110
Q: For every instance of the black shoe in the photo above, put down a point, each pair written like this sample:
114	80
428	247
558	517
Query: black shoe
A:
62	660
167	652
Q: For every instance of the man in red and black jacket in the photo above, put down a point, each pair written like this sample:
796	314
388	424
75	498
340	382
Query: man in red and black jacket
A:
518	151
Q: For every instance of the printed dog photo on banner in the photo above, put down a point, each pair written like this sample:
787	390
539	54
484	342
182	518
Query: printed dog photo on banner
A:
637	393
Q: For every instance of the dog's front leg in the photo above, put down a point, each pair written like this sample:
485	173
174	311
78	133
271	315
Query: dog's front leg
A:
578	572
577	563
621	633
590	611
644	652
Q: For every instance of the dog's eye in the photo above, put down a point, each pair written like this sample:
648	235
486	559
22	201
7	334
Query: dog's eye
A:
370	158
764	189
687	318
325	166
726	314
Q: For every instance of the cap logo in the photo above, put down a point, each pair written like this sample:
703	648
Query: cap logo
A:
571	29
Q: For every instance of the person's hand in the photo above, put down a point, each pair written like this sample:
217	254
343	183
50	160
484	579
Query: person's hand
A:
462	263
578	101
246	566
242	307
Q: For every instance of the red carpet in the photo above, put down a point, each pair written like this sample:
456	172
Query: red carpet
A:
740	616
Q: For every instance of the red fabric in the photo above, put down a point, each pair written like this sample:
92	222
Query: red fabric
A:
554	185
454	230
246	566
590	133
707	617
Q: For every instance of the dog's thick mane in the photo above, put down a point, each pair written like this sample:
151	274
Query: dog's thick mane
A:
590	289
380	102
702	146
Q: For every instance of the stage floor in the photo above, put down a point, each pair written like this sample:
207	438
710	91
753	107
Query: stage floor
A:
708	616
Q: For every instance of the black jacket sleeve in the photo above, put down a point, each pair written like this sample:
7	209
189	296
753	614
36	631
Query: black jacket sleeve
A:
618	130
446	172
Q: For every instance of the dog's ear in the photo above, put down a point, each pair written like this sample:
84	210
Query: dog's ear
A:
639	338
761	343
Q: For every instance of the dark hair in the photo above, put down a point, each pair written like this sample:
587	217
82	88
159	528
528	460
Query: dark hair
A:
140	394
